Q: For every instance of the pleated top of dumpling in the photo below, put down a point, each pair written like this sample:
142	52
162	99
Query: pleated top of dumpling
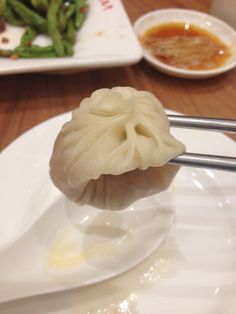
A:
113	131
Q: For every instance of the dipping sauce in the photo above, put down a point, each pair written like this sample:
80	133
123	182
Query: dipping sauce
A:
186	46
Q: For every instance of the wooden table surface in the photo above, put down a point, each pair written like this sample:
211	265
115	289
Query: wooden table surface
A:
26	100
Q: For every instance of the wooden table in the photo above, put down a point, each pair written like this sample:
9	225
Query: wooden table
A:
26	100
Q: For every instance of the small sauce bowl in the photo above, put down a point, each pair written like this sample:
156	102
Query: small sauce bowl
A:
204	21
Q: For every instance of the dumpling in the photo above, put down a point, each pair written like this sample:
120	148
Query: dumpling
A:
115	139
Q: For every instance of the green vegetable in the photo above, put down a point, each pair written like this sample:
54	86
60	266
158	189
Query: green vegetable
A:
68	48
27	54
11	18
41	5
53	28
69	12
35	49
5	53
35	52
30	17
71	32
80	11
60	19
3	5
28	37
65	16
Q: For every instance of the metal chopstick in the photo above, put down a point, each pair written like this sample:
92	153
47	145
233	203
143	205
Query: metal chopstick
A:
212	124
204	160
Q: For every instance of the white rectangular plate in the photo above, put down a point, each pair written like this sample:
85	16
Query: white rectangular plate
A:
106	39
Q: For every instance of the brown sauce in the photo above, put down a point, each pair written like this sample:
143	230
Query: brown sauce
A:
186	46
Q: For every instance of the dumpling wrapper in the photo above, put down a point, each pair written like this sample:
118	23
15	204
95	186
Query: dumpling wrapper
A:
115	149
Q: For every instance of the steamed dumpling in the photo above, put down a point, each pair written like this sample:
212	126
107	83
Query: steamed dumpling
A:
112	133
116	192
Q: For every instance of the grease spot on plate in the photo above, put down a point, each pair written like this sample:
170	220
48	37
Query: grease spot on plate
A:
67	252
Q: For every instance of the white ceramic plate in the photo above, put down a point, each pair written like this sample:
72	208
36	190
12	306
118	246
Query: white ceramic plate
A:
105	40
205	21
192	272
47	243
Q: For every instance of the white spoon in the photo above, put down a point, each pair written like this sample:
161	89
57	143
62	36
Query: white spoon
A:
49	244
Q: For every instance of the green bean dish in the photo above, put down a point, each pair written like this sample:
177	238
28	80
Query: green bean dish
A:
58	19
